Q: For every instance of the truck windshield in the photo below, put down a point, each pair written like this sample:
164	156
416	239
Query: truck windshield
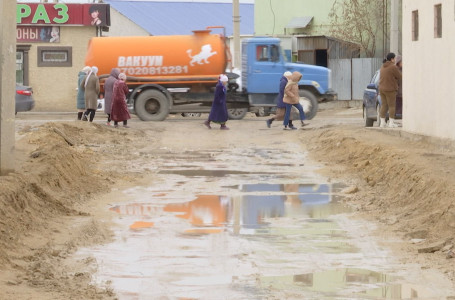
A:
275	53
268	53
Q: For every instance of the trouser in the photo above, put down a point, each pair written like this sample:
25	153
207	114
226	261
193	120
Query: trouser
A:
287	115
90	112
79	115
388	104
108	118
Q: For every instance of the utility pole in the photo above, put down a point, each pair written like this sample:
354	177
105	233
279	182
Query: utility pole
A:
394	26
236	33
7	84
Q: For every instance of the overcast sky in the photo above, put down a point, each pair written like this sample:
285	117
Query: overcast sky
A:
91	1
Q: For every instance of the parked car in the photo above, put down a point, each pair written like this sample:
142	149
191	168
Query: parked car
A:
24	98
372	103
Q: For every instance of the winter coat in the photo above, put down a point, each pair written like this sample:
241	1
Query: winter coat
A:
92	91
279	98
80	99
291	91
389	77
109	88
119	110
218	112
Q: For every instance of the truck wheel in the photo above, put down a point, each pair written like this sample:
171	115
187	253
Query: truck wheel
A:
152	105
309	102
237	113
263	112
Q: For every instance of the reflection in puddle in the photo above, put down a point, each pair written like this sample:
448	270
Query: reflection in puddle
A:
247	213
255	241
350	282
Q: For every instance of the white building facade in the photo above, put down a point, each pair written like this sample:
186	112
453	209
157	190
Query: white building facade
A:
429	67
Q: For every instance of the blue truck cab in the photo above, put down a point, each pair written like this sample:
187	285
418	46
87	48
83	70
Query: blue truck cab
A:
263	64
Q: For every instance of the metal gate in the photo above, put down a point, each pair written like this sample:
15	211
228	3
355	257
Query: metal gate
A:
350	77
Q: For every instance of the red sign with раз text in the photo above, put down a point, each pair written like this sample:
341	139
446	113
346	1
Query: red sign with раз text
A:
61	14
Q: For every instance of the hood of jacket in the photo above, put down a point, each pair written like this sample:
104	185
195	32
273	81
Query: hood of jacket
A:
296	76
115	72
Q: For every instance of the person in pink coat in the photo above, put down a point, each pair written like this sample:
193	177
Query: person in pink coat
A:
119	110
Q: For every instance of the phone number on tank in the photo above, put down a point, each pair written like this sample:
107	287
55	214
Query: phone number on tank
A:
141	71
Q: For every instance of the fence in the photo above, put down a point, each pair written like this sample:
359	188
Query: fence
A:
350	77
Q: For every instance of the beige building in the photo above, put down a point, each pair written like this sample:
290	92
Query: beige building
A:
54	86
51	44
429	63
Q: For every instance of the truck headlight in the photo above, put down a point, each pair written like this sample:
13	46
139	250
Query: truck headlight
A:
316	85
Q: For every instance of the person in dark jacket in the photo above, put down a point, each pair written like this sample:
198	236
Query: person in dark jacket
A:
108	89
80	99
389	78
218	113
91	87
119	110
281	106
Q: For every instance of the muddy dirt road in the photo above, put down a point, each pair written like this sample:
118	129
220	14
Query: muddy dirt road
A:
171	210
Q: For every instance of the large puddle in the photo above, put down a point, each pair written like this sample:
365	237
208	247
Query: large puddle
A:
222	232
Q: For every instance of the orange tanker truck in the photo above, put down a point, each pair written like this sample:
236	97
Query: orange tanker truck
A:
172	74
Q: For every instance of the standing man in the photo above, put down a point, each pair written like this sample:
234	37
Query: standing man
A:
390	75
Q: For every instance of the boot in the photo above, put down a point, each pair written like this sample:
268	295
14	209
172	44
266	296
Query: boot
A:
291	126
79	115
269	122
392	123
207	124
382	123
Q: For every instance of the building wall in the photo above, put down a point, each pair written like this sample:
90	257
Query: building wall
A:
271	18
54	88
428	64
122	26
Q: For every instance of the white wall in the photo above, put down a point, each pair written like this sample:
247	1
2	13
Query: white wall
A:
429	71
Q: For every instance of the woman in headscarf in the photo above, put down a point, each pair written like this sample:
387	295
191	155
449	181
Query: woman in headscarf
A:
91	87
119	111
218	112
108	89
80	99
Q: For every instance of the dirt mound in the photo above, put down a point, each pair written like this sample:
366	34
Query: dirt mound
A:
57	174
408	185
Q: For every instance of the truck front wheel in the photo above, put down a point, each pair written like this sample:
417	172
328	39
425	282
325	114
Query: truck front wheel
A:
310	104
152	105
237	113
